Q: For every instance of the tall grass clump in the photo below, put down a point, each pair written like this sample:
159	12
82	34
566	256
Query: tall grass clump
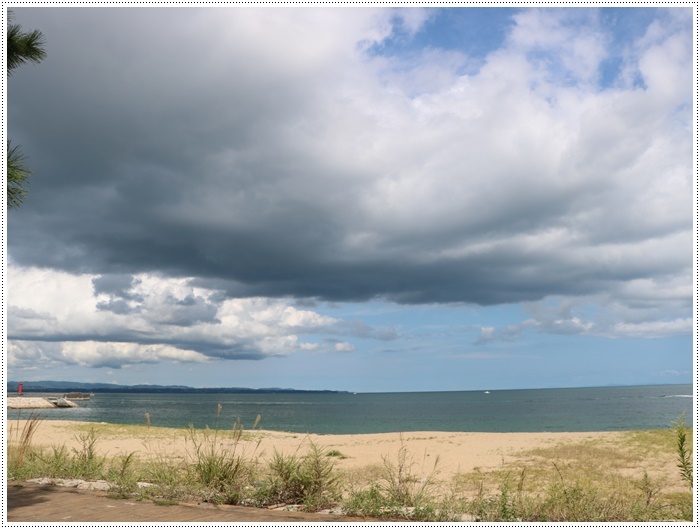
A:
57	461
685	461
86	461
401	486
576	499
54	462
319	478
309	480
83	462
123	474
20	445
168	477
401	494
507	506
219	461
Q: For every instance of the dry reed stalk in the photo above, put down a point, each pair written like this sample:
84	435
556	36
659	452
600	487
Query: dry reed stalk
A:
25	438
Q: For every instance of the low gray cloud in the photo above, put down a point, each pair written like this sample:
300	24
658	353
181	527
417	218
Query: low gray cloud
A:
595	316
117	306
120	285
120	293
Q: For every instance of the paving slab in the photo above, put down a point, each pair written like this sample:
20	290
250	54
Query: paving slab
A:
28	502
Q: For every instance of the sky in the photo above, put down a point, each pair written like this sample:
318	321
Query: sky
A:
354	198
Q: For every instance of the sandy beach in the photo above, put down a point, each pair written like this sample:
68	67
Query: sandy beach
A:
455	452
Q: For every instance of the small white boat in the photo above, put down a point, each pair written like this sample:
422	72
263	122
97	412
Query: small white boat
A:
487	392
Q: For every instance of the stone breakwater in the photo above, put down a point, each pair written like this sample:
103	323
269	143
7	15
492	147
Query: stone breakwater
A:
29	403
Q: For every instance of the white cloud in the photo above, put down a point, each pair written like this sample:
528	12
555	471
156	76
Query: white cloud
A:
561	43
673	372
412	20
486	335
344	347
56	317
653	329
115	354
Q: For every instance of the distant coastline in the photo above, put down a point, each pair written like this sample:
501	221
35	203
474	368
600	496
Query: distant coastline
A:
48	386
55	386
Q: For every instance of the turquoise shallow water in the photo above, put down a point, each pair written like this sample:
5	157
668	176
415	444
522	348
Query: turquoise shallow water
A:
534	410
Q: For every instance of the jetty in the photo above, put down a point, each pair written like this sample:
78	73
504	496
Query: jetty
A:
31	403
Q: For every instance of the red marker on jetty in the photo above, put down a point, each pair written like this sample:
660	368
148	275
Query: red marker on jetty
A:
19	389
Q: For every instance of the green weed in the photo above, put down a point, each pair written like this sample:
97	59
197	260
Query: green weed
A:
685	462
20	445
219	461
401	494
565	500
122	474
86	461
309	480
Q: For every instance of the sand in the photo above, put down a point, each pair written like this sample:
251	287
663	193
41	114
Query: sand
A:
456	452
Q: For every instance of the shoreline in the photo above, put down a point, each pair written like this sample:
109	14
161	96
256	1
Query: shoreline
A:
22	413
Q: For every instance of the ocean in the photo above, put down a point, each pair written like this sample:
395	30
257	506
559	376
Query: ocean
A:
526	410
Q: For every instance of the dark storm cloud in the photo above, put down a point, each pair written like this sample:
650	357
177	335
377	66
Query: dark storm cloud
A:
117	306
183	142
118	285
119	289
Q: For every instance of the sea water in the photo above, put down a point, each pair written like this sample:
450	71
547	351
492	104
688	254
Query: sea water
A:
531	410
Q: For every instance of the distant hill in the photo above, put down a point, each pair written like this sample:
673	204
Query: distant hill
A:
47	386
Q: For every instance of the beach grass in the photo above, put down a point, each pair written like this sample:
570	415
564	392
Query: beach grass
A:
219	462
627	479
633	477
309	480
402	489
20	443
